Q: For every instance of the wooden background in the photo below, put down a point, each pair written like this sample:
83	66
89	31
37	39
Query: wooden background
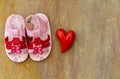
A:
95	53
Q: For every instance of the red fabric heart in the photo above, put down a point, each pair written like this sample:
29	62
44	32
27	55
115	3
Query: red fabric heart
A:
66	38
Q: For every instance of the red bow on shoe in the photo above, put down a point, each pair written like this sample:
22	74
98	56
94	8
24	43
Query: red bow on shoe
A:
37	50
16	49
37	42
15	45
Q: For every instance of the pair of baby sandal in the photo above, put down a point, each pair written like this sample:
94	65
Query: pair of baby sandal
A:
30	36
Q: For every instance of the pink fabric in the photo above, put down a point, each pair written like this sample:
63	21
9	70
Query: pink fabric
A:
16	49
13	32
43	25
16	54
40	22
37	50
33	33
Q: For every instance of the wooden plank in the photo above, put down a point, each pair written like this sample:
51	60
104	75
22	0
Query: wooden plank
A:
95	53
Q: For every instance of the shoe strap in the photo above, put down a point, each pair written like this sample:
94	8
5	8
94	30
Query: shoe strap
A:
15	32
33	33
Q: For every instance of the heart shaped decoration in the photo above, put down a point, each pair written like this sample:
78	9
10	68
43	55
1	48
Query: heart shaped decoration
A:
66	38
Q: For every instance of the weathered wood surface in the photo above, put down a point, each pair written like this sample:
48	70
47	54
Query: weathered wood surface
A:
95	53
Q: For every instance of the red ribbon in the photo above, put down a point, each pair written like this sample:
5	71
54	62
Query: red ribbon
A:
16	49
37	50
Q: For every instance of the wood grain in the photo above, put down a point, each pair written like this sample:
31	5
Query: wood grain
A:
95	53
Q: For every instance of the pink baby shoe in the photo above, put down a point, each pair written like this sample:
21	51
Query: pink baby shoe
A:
39	36
15	39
